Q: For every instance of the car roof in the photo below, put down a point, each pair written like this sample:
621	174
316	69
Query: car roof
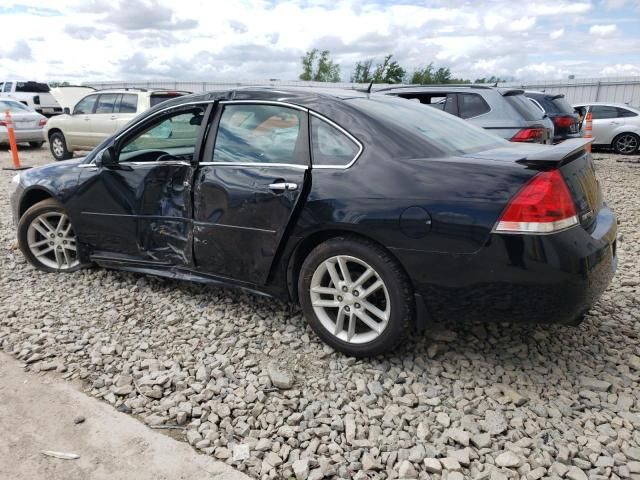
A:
605	104
437	87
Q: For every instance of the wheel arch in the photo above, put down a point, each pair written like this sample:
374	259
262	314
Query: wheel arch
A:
53	130
626	132
31	197
308	243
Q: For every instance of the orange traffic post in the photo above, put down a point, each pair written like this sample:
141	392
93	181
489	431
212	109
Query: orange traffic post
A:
12	143
588	128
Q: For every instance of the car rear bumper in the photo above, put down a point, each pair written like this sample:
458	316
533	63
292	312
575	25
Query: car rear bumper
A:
48	111
35	135
519	278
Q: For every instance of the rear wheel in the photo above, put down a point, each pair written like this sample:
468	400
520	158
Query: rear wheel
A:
58	146
355	296
36	144
47	239
626	144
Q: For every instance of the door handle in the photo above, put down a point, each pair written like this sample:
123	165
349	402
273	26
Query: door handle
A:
86	119
282	186
113	117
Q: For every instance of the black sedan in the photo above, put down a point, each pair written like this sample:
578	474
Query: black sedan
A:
375	214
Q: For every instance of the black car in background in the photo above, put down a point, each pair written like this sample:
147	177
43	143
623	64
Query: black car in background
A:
374	213
564	117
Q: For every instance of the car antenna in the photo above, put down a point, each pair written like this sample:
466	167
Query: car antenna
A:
369	87
495	84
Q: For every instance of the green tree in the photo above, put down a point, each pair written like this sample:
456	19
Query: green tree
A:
388	71
362	72
491	79
430	75
317	66
423	76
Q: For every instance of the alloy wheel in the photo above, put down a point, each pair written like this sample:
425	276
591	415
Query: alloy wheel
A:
626	144
52	241
57	147
350	299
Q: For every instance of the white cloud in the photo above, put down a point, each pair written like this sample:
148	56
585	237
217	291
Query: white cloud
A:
626	69
602	30
522	24
259	39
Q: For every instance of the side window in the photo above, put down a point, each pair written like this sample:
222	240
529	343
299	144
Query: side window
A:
623	112
175	136
471	105
537	104
7	86
259	134
601	112
85	105
106	103
330	146
129	103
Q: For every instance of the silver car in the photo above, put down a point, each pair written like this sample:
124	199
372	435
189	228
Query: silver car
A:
28	124
615	125
503	111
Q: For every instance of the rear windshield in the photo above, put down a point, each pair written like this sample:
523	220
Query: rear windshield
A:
524	107
445	132
32	87
157	98
13	106
554	105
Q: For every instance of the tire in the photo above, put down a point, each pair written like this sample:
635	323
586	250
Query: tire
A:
390	305
626	144
58	147
42	250
36	144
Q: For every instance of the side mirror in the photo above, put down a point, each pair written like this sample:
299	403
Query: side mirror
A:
66	111
109	159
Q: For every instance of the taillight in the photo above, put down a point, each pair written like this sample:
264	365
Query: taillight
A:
544	205
563	122
535	134
42	122
3	123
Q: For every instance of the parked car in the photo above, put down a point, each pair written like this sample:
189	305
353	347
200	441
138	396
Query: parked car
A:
565	119
372	212
99	115
33	94
504	111
27	123
615	125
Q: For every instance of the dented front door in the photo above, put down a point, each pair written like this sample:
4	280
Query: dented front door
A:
139	213
141	209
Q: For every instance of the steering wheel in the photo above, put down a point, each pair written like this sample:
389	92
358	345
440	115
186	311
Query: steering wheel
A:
165	157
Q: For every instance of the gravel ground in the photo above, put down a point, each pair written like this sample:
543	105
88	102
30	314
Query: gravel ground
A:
251	384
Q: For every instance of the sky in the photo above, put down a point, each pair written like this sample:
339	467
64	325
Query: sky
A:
246	40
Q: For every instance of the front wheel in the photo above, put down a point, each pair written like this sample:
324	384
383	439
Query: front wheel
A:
58	145
47	239
626	144
355	296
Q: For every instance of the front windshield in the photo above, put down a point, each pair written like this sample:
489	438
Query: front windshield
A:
446	132
13	106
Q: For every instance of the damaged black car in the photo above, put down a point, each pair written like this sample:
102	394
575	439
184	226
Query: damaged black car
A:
373	213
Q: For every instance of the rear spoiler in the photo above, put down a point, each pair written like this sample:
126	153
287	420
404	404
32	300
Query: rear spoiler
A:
509	92
558	154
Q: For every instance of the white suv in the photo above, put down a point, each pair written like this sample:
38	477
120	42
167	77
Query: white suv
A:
98	116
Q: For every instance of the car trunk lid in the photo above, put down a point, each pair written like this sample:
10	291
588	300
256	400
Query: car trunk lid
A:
571	158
